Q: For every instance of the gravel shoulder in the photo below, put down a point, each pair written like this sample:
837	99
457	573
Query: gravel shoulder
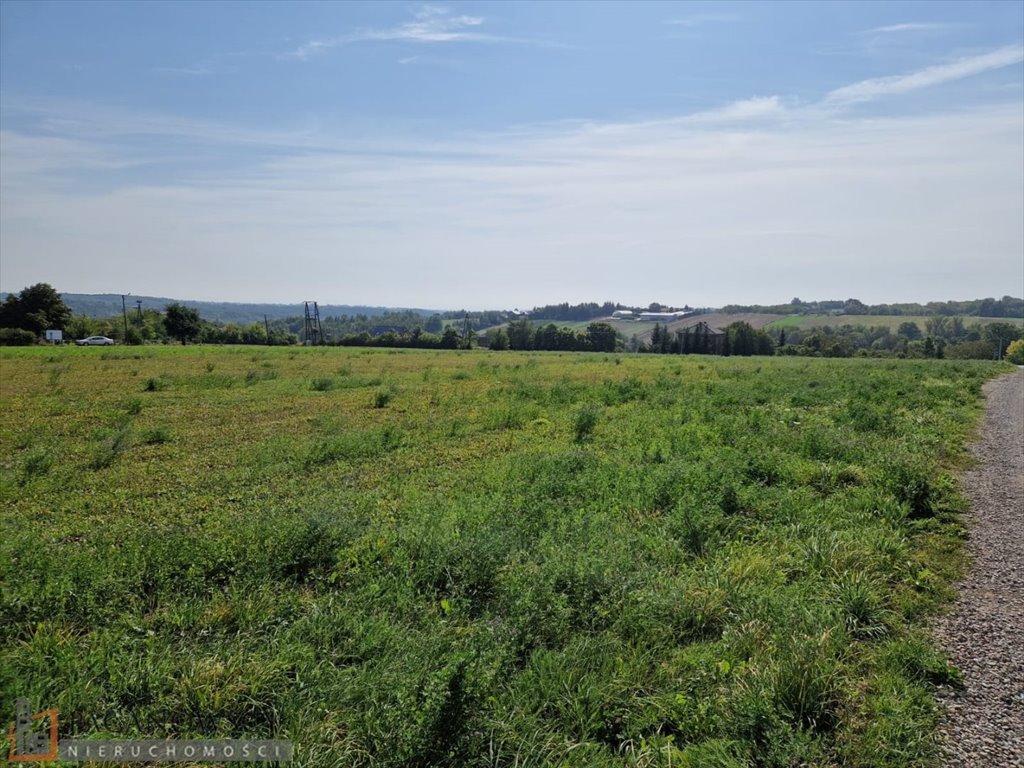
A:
983	724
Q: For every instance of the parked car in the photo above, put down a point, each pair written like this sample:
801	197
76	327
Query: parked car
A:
101	341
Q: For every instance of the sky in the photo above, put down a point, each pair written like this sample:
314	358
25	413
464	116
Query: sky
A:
490	155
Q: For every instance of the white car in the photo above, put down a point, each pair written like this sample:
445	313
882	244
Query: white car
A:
101	341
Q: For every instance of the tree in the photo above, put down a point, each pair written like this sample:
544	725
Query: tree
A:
499	339
37	308
450	338
520	334
909	330
182	322
601	337
1000	334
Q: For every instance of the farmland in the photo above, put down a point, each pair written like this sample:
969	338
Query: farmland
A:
402	557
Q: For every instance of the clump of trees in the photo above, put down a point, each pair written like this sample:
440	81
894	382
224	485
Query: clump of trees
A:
740	339
35	310
417	338
524	335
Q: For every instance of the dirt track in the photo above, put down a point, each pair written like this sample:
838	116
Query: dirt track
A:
983	724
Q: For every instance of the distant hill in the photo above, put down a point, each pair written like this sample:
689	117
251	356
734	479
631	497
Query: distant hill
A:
108	304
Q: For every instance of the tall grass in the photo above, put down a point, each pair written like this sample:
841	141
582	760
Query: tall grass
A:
540	560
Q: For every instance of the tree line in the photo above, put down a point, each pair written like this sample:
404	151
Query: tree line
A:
943	337
1007	306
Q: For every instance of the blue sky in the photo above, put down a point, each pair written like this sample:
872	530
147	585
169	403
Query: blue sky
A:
508	154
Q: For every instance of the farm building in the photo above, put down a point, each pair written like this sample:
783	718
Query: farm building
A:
664	317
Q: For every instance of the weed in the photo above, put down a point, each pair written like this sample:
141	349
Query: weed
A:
584	422
111	446
254	376
382	397
322	384
157	436
37	463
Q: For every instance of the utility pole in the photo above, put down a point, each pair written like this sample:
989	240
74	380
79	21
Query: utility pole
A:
138	306
266	324
124	312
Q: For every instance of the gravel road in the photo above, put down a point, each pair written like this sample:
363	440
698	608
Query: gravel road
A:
983	724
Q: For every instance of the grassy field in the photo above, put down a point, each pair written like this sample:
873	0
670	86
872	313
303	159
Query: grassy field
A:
408	558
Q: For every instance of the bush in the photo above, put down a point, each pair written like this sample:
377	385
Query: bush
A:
322	384
16	337
1015	352
38	463
585	421
382	397
156	436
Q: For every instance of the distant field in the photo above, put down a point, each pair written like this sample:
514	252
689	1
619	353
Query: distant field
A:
417	558
892	322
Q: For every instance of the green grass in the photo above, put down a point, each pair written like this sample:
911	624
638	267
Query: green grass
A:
473	558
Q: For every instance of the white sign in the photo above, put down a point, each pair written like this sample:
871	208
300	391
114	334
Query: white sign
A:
55	335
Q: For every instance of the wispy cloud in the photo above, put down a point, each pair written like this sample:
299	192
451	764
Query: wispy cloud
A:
762	187
868	90
900	195
196	70
699	19
756	108
430	24
913	26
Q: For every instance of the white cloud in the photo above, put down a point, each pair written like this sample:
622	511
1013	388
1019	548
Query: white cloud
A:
430	24
682	210
915	26
752	201
699	19
758	107
868	90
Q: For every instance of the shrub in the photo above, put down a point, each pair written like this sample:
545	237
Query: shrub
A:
16	337
254	376
156	436
1015	352
322	384
585	421
382	397
38	463
110	448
